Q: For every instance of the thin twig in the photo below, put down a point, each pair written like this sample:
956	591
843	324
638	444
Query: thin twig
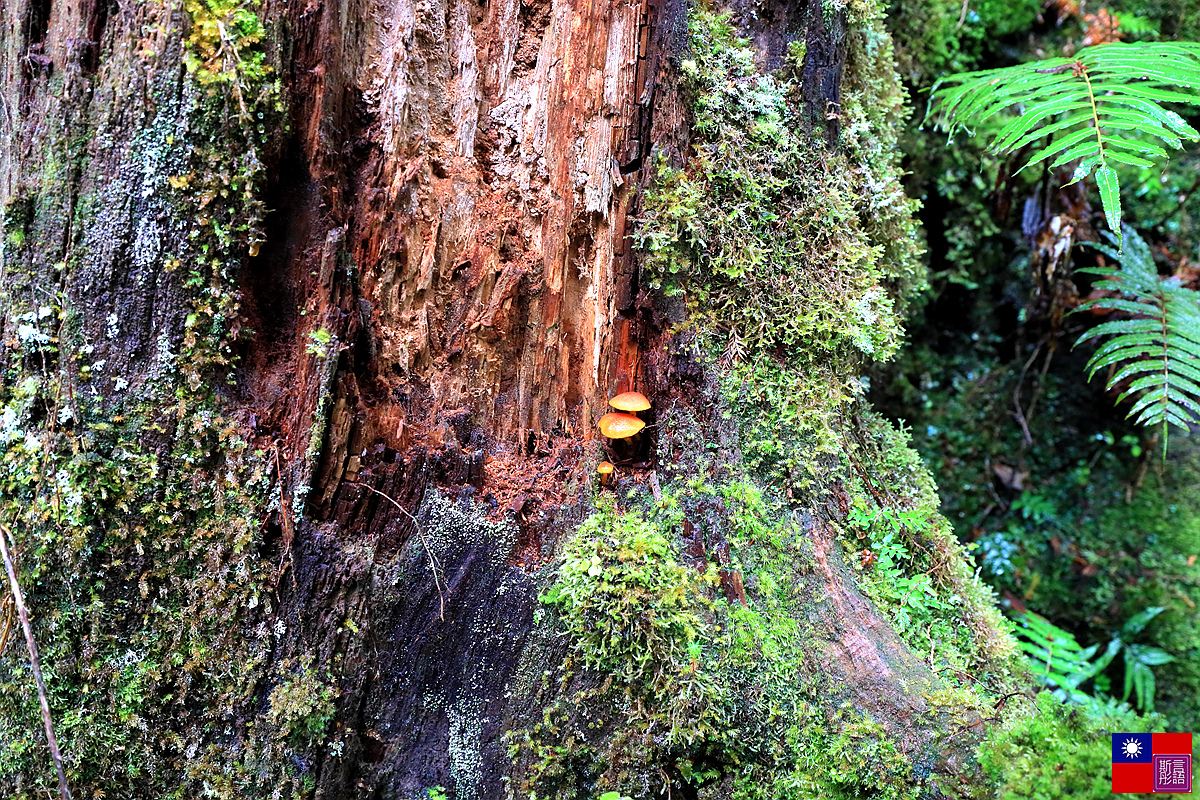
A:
434	566
33	660
286	526
1041	379
7	613
1016	397
237	59
960	674
1182	202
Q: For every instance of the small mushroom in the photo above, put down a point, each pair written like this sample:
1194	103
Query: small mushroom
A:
630	401
616	425
606	470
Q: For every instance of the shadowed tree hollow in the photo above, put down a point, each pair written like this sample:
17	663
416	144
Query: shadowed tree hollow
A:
310	313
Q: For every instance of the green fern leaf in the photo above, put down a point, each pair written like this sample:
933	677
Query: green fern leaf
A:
1110	194
1158	350
1104	106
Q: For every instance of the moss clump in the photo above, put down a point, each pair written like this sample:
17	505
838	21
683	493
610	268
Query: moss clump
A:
635	613
1044	750
224	45
770	237
302	705
836	759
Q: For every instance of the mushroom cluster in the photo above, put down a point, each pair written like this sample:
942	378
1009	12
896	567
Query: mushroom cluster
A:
623	423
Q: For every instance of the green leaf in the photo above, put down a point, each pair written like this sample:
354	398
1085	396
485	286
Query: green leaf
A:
1150	656
1105	106
1110	653
1110	197
1157	351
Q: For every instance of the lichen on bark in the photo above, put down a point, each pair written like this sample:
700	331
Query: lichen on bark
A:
133	494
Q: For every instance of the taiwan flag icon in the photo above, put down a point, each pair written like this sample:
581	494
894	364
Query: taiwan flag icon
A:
1152	762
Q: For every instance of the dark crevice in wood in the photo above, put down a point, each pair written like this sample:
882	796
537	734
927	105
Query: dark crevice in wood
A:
97	19
824	63
37	22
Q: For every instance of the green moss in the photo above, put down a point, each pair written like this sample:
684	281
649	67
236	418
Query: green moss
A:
137	514
837	758
1046	750
224	45
768	235
635	612
302	704
795	261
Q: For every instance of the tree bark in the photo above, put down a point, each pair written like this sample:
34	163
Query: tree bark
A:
394	296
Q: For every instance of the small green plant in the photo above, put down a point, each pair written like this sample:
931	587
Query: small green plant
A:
318	342
1063	665
893	575
302	706
436	793
1138	658
1158	347
1056	658
1102	108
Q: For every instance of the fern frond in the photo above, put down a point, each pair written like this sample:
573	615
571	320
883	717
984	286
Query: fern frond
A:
1102	108
1159	349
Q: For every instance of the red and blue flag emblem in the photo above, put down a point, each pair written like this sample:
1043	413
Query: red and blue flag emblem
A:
1152	762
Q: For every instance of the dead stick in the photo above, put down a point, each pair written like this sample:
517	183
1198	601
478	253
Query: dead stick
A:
33	660
7	613
1016	397
434	566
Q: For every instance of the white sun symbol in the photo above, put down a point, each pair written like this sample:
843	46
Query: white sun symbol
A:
1132	747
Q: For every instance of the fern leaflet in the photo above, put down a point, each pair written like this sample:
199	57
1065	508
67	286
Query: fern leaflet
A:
1158	347
1102	108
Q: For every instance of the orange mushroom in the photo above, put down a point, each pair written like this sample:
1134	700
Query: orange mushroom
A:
630	401
616	425
606	470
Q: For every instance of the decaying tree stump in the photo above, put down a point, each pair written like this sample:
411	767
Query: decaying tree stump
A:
389	266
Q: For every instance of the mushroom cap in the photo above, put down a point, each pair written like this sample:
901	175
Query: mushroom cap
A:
620	426
630	401
605	467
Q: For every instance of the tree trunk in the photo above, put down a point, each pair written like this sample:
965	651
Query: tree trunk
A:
308	325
